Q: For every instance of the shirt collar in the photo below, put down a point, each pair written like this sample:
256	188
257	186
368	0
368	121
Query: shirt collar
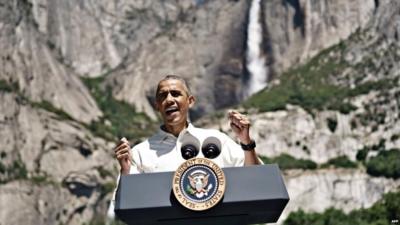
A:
163	135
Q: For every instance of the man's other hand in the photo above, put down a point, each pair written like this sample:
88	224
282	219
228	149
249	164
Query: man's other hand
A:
123	155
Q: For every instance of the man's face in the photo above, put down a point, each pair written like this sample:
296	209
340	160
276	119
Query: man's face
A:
173	102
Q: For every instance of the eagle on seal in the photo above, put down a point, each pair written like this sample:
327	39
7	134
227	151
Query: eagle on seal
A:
198	181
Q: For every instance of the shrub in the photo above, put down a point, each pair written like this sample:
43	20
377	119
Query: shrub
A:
332	124
395	137
51	108
340	162
286	161
305	86
14	171
386	163
107	187
309	86
362	154
382	212
3	168
7	87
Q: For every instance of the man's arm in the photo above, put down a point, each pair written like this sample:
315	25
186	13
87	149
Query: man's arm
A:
240	125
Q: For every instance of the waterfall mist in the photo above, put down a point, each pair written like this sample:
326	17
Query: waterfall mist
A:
255	60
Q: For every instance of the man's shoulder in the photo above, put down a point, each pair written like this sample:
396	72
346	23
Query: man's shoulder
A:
142	144
146	142
209	132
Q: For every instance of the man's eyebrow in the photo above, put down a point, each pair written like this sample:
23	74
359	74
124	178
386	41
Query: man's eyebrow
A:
161	93
163	90
177	90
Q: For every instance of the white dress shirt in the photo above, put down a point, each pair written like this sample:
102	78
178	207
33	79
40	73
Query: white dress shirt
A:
161	152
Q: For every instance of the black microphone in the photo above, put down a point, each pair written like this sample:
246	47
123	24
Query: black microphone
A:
211	151
190	145
211	147
189	151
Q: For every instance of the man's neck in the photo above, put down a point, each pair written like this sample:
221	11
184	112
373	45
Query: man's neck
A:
174	130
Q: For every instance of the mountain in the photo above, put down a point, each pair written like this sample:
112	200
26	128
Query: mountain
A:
77	75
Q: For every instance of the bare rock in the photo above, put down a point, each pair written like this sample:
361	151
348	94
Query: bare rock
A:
28	61
300	29
342	189
56	171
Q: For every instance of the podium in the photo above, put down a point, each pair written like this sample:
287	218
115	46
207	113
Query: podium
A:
254	194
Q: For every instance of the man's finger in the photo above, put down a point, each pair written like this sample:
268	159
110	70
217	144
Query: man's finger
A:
242	122
235	128
235	114
121	146
232	112
245	121
123	140
236	122
122	150
123	156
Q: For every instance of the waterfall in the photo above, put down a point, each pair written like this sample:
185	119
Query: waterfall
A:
255	60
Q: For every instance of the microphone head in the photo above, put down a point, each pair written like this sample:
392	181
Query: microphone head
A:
211	151
189	145
189	151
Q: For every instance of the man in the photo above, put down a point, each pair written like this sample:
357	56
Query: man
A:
161	152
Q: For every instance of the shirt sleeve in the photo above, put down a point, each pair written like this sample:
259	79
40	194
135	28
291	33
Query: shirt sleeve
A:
136	162
235	152
234	155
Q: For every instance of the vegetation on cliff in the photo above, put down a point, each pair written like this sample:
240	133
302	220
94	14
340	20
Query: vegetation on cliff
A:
382	212
120	118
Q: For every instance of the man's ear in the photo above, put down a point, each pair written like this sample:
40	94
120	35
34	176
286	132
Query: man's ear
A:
192	100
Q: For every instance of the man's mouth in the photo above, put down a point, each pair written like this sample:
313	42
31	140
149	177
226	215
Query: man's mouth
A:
170	110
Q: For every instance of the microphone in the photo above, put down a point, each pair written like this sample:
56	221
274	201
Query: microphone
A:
211	147
190	146
189	151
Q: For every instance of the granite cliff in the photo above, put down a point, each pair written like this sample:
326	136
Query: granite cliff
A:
56	162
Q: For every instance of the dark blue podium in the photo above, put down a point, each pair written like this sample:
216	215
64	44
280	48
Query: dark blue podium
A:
254	194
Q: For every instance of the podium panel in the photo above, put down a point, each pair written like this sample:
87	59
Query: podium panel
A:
254	194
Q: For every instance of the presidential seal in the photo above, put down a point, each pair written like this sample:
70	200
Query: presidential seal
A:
198	184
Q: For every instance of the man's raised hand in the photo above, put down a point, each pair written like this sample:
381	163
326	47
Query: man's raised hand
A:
240	125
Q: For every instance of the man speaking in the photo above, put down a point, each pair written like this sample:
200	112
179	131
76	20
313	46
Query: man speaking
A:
159	153
164	151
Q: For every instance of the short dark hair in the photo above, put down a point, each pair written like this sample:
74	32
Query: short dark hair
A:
174	77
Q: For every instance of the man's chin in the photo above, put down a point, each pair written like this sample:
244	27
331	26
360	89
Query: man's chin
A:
173	121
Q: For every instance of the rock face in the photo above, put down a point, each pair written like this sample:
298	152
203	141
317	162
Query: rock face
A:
296	132
370	56
138	42
54	170
341	189
214	57
43	160
28	60
299	29
24	202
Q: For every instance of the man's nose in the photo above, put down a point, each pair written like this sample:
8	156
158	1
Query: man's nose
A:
169	98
